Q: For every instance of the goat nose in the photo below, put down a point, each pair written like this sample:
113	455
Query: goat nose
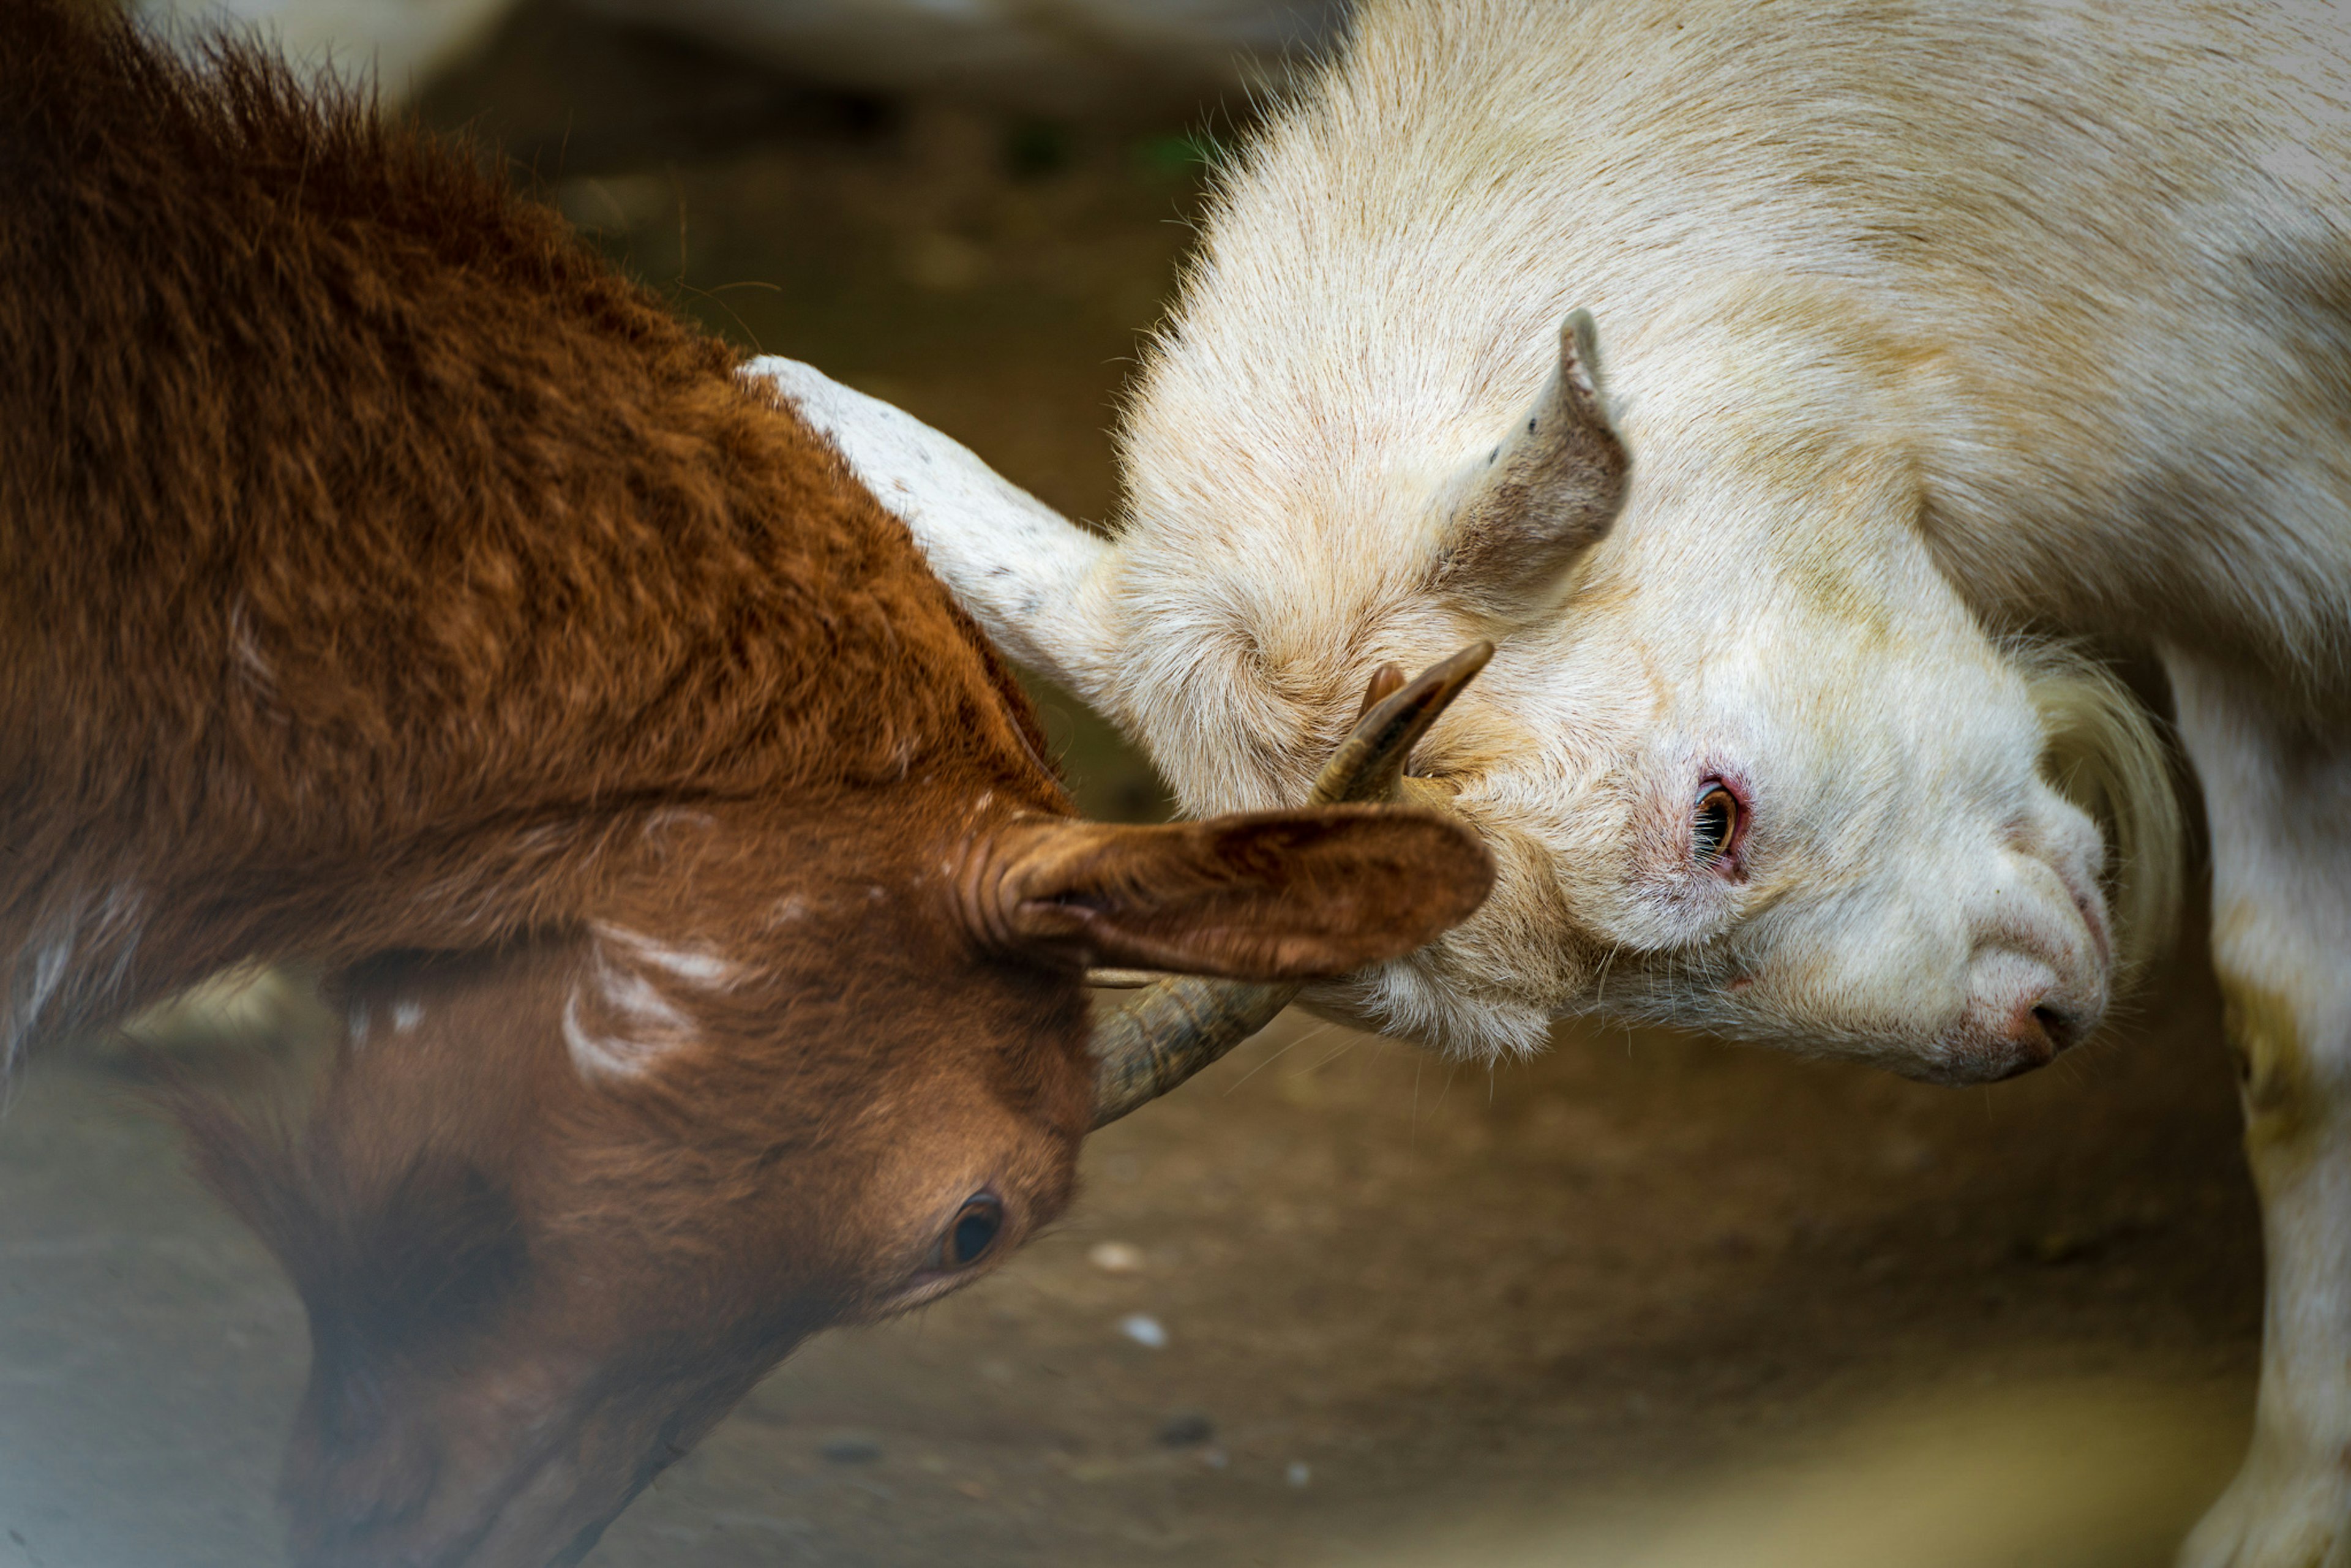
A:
2037	1031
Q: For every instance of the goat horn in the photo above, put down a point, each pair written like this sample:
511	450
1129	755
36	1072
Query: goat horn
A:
1178	1026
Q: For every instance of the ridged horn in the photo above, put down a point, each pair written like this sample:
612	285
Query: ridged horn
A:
1176	1026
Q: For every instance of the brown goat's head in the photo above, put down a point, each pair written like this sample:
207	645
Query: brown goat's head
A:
561	1203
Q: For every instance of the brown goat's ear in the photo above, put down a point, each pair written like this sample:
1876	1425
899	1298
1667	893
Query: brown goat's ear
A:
1269	895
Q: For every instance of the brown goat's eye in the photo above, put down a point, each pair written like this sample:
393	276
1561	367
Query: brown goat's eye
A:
1714	825
976	1227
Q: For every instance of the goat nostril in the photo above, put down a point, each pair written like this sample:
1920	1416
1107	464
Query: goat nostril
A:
2055	1027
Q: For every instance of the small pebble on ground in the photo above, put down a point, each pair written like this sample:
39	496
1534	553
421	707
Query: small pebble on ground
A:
1115	1256
852	1450
1185	1428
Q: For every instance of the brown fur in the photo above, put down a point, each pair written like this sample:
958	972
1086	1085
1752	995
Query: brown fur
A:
389	585
457	535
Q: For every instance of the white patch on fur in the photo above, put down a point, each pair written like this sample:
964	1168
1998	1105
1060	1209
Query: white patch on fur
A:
80	956
635	997
48	970
618	1020
356	1026
406	1014
662	826
40	971
596	1056
251	663
697	965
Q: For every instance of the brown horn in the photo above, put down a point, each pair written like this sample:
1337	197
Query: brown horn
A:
1178	1026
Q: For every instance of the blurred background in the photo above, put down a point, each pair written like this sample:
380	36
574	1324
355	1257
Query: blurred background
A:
1650	1301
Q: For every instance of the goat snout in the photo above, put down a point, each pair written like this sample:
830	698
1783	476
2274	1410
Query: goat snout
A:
2023	1011
2036	1033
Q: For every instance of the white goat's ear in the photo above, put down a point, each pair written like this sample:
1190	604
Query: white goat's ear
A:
1035	581
1519	515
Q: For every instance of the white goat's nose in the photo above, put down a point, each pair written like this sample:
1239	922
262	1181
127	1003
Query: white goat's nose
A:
2036	1031
2022	1012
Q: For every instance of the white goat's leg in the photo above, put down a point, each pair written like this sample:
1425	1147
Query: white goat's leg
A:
1034	580
2278	790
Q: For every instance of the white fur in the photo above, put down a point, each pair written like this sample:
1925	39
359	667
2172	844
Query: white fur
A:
1922	324
251	662
661	826
49	990
2277	787
696	964
43	967
619	1021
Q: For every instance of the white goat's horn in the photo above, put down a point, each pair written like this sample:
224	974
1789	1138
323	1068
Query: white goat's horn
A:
1178	1026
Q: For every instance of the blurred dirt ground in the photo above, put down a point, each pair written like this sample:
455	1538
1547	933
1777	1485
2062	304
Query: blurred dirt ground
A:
1649	1301
1398	1303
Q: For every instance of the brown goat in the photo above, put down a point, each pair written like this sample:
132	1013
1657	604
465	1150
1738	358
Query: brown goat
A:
388	584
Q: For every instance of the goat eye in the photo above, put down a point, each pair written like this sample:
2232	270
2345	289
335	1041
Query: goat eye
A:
977	1225
1714	825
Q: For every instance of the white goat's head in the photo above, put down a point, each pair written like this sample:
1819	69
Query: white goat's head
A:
1745	758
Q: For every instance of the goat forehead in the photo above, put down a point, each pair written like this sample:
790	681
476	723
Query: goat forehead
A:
694	961
631	1003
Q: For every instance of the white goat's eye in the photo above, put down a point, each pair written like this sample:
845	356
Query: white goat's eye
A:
1714	825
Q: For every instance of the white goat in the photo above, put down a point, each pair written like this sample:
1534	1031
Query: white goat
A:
1935	331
